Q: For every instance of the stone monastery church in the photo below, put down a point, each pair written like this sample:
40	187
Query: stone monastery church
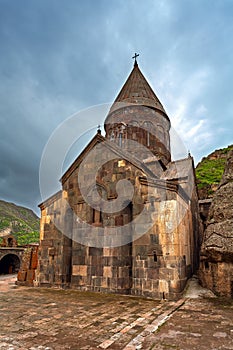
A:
126	219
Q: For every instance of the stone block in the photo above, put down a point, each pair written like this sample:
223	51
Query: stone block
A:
47	228
79	270
137	282
21	277
107	271
177	286
123	283
163	286
152	273
123	272
167	274
43	253
46	243
76	281
140	273
96	281
107	261
92	270
78	260
99	270
34	260
30	276
147	284
104	283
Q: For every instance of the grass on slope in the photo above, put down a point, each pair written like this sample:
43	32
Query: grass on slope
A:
209	171
23	222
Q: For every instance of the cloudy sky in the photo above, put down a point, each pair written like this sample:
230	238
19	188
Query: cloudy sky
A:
59	57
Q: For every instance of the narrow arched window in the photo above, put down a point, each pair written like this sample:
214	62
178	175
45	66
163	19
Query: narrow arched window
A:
148	126
10	242
112	136
96	216
134	123
120	139
161	133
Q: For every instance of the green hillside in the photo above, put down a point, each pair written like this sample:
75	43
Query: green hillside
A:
24	224
210	170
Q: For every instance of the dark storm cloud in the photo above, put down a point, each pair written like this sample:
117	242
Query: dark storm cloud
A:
58	57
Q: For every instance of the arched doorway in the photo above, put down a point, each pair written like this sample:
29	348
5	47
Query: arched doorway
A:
10	263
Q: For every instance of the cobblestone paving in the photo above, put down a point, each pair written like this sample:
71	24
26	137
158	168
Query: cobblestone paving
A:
49	319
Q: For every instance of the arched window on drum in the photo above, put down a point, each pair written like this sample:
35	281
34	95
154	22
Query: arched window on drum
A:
133	127
112	135
121	133
134	123
148	127
167	140
161	135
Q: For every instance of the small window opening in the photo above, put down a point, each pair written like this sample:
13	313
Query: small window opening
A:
101	216
148	139
207	265
97	216
155	257
120	139
10	242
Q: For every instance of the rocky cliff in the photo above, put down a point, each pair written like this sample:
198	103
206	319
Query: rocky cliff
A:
216	267
209	172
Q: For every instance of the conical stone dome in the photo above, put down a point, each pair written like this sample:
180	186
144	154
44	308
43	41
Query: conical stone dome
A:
137	114
137	90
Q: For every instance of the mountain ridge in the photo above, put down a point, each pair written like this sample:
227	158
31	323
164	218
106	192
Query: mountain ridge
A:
22	222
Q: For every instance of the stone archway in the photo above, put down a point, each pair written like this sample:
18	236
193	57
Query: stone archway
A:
10	263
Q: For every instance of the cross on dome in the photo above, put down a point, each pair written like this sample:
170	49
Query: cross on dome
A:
135	58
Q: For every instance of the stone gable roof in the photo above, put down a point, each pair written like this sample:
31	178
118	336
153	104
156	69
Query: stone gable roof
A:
50	200
182	173
114	148
122	153
179	169
168	178
137	90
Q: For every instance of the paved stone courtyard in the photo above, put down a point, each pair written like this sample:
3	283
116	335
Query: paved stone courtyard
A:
50	319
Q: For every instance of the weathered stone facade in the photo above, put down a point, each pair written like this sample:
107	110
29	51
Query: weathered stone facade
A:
154	247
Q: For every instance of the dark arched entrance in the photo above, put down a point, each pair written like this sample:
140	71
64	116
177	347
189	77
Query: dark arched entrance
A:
10	263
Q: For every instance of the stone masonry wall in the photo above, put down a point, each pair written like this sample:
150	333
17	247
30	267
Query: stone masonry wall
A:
26	274
145	126
157	264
